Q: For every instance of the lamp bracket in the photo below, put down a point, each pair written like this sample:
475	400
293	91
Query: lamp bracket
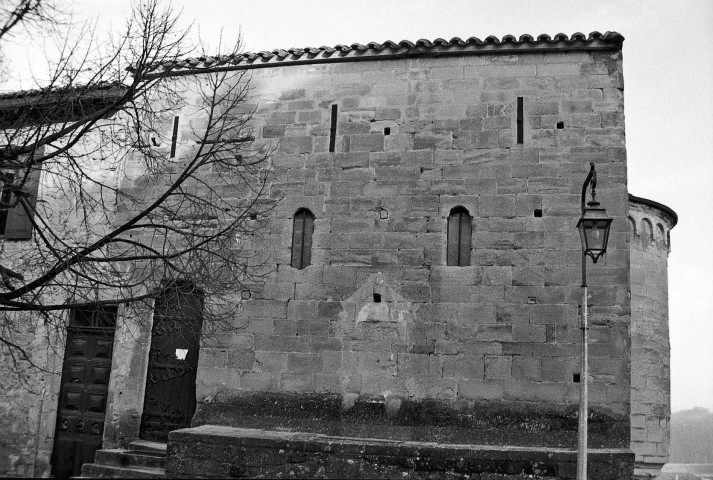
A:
591	180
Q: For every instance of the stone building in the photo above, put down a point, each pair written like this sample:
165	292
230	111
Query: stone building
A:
425	280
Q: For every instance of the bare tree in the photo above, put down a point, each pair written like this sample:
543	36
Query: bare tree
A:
145	179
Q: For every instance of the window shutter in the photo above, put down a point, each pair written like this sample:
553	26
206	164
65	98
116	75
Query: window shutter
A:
302	229
19	226
453	240
459	238
307	239
465	239
297	232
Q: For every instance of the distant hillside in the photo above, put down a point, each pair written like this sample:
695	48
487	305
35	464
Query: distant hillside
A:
692	436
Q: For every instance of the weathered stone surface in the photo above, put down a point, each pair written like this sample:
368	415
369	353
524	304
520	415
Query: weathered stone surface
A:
649	345
379	314
227	452
451	421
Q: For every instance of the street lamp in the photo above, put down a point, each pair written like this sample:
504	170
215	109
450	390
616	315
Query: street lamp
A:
594	232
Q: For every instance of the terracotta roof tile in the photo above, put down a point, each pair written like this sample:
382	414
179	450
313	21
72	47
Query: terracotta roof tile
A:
456	46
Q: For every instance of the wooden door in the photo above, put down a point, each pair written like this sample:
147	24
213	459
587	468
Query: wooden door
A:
170	399
83	390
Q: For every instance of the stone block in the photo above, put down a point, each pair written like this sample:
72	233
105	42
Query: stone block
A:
304	363
398	143
389	89
213	357
558	369
431	140
331	362
498	367
497	123
323	343
258	381
528	275
298	310
387	114
265	309
430	313
282	117
511	186
273	131
485	139
512	314
281	343
418	365
240	359
242	341
529	333
450	293
526	368
456	275
577	106
366	143
270	362
351	160
480	389
463	367
493	276
301	105
477	110
295	145
494	333
297	382
293	94
327	383
497	206
553	314
558	69
314	116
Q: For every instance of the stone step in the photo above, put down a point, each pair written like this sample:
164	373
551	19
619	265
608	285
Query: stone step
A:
123	458
93	470
145	446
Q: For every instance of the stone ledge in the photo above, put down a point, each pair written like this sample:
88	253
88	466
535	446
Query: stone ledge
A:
241	452
427	420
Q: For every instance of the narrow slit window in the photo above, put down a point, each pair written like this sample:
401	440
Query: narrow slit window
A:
333	129
520	121
16	222
5	199
302	229
174	137
459	238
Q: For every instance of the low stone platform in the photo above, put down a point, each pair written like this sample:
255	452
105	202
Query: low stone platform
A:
427	420
228	452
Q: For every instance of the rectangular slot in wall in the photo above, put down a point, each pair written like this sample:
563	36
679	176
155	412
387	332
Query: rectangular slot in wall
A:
333	129
174	137
520	121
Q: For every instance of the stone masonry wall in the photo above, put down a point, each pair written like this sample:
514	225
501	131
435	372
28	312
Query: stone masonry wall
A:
416	138
650	350
28	409
245	453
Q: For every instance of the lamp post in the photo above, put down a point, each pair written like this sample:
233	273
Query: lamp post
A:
594	232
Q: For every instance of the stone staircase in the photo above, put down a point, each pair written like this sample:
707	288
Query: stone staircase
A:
142	459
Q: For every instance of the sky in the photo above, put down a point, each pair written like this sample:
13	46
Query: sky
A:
668	74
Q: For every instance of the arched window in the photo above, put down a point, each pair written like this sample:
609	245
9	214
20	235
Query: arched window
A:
647	233
302	229
459	237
